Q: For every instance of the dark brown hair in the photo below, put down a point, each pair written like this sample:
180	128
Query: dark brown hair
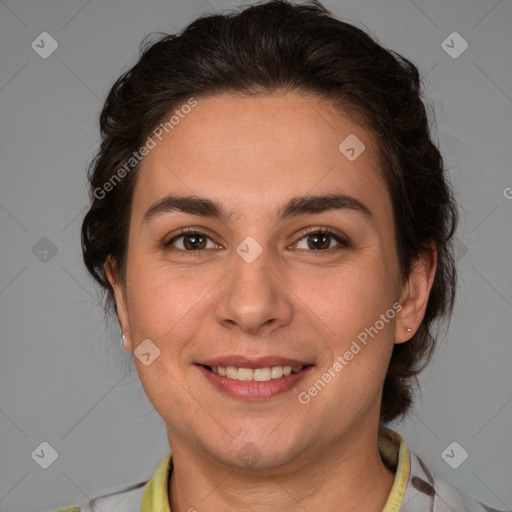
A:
278	46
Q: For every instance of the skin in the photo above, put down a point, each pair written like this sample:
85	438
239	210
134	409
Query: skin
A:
253	154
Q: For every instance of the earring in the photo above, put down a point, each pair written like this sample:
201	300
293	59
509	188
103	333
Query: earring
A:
123	339
408	330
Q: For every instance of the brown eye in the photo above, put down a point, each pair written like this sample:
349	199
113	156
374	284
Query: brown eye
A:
190	241
321	240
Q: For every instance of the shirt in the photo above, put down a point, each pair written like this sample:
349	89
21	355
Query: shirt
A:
414	488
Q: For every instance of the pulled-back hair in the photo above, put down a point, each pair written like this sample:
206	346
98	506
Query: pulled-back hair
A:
278	46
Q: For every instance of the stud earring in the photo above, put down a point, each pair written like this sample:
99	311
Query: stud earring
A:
408	329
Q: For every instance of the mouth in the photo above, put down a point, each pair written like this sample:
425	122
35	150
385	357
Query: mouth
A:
254	384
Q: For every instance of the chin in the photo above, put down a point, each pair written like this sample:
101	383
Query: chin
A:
259	451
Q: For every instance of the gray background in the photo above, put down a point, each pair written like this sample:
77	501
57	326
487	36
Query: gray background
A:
64	378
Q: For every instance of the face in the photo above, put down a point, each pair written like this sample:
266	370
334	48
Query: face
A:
271	276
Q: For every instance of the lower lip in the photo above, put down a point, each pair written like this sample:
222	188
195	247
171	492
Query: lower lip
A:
253	390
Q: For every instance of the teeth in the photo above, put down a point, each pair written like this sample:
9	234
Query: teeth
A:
243	373
232	372
276	372
258	374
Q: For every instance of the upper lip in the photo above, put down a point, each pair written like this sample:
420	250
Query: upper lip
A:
253	362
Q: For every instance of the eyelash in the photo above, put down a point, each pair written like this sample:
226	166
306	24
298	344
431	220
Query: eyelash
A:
324	230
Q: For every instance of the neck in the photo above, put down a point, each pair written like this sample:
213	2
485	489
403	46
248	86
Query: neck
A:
346	475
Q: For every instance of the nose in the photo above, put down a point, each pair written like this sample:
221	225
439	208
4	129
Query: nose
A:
255	298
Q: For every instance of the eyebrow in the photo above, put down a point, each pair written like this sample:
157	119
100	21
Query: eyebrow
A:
299	205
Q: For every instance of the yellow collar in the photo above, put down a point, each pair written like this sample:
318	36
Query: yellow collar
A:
391	447
396	456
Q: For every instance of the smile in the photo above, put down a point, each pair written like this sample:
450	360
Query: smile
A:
254	383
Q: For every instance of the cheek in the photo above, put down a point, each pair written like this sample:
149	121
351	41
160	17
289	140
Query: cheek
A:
148	294
347	298
354	309
163	301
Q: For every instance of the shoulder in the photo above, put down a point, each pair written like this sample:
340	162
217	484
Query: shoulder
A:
128	500
424	492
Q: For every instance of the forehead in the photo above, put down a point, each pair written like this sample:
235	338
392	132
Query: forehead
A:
248	151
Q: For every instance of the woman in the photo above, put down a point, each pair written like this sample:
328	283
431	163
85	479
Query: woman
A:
271	222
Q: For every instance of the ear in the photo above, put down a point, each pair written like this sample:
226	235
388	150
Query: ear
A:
119	288
415	294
